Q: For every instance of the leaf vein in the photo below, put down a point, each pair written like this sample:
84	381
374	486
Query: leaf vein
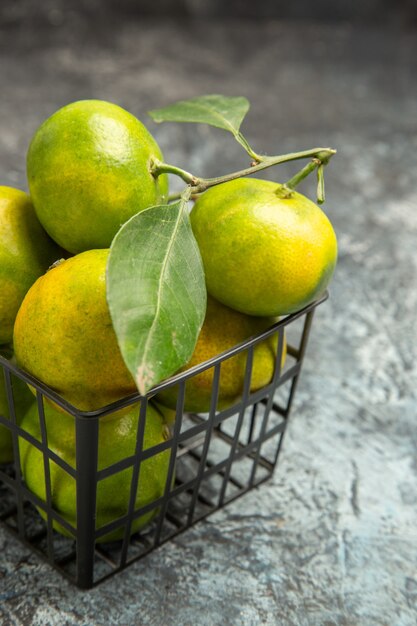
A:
159	293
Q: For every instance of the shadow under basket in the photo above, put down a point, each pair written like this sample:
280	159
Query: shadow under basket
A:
211	459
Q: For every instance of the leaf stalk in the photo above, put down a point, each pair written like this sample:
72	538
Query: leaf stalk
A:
319	156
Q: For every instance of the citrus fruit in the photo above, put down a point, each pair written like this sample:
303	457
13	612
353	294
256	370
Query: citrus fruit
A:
223	328
263	254
25	253
88	168
116	441
22	399
168	414
64	335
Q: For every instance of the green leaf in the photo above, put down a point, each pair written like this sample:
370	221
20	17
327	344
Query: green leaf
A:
156	292
215	110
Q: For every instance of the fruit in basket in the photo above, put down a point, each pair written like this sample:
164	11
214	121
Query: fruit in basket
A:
64	335
88	168
168	415
224	328
117	441
263	253
26	251
22	400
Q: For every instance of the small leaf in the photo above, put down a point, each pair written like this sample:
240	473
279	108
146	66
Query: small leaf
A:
215	110
156	292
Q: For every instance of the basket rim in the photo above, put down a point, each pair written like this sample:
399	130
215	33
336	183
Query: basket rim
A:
168	382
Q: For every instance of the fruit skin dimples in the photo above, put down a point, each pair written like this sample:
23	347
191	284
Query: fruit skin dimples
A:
64	336
88	168
263	254
26	252
224	328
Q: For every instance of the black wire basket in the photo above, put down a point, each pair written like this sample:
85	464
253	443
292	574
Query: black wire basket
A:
212	459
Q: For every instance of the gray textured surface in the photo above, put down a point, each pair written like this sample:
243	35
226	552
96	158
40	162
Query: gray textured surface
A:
332	539
64	11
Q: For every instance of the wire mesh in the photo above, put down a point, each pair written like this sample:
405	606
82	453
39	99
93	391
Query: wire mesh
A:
209	460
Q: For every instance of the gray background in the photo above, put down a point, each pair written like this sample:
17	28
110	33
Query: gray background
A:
370	11
331	540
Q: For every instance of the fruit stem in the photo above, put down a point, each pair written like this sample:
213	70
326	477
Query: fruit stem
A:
318	162
299	176
319	156
174	196
158	168
321	196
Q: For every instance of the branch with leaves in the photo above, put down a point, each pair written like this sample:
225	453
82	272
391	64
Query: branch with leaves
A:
228	114
155	277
